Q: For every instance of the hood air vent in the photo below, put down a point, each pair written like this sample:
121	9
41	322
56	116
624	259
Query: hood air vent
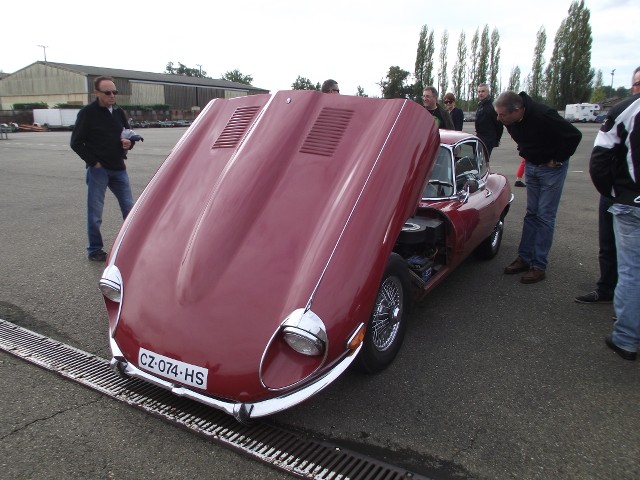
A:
236	127
327	131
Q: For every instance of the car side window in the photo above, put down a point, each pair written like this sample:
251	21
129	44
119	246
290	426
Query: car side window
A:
466	163
483	165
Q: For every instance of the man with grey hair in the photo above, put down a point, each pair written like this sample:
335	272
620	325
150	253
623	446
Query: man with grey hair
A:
546	141
615	171
488	128
440	114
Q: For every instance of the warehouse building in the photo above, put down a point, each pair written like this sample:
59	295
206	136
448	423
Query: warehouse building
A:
61	83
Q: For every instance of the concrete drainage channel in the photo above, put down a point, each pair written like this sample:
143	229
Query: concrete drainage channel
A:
272	445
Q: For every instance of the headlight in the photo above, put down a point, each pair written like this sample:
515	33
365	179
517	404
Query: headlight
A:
305	333
303	342
111	284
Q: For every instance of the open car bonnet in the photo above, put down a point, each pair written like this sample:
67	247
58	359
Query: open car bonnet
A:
268	204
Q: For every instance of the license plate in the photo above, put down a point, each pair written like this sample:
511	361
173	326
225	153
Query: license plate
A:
181	372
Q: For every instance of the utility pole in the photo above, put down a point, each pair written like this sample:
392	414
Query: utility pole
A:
198	65
44	48
612	72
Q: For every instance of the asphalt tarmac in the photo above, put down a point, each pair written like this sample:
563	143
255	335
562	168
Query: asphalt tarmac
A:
495	380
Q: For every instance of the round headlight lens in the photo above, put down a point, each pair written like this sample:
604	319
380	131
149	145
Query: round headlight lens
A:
110	290
303	342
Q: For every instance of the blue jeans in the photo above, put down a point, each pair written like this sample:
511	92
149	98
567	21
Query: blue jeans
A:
544	188
626	300
98	179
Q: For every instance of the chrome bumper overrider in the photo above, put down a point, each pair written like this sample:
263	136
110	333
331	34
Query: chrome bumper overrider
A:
241	411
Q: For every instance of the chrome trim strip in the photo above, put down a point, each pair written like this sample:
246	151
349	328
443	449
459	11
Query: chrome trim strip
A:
241	411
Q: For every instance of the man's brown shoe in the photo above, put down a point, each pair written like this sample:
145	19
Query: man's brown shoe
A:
517	266
533	276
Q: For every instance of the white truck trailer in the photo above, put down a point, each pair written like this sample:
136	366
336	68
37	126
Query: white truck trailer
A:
56	118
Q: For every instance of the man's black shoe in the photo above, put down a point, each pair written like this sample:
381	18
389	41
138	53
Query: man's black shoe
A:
98	256
593	297
626	354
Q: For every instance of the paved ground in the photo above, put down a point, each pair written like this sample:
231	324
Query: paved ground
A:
496	380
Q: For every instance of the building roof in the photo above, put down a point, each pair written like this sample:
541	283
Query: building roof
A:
153	77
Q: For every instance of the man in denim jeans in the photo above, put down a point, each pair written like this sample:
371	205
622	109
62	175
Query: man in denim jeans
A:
546	141
96	138
615	172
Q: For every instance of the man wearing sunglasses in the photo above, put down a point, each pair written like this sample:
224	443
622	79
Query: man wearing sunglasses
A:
96	139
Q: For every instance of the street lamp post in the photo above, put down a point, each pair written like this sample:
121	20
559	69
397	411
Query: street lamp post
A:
612	72
200	68
44	48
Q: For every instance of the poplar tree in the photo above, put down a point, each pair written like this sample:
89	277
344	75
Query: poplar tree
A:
483	57
473	65
443	78
424	62
535	83
459	70
494	62
514	79
569	73
418	71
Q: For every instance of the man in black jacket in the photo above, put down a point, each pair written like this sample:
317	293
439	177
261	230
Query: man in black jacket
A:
96	138
546	141
615	172
488	128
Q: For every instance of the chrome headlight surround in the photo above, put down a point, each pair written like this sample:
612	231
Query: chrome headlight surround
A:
111	284
304	332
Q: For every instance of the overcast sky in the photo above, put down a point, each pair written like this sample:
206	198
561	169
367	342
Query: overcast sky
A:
353	41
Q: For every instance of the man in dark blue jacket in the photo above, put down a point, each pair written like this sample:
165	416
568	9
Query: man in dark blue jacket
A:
615	172
97	139
546	141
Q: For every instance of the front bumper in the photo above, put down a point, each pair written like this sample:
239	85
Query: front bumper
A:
243	412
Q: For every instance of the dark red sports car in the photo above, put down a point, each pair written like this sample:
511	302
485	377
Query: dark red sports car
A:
284	238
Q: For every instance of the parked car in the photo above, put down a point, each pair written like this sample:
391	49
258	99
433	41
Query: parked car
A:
600	118
285	238
181	123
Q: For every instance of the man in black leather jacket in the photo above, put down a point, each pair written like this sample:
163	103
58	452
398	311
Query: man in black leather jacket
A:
488	128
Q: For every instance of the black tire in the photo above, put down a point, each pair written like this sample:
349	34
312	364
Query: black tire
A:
388	321
490	247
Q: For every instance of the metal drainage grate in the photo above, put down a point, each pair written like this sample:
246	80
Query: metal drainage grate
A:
267	443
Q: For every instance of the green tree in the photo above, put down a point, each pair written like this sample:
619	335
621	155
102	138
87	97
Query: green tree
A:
535	82
184	70
421	55
459	70
473	65
360	92
424	62
494	62
598	95
395	85
483	57
569	73
236	76
443	78
303	83
514	79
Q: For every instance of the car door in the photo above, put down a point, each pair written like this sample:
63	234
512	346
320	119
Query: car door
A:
477	212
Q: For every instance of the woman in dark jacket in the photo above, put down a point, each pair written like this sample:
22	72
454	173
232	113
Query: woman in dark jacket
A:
455	113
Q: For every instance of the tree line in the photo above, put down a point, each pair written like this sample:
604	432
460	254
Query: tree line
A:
568	76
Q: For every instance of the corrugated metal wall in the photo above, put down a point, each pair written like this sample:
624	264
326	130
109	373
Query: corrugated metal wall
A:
43	83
